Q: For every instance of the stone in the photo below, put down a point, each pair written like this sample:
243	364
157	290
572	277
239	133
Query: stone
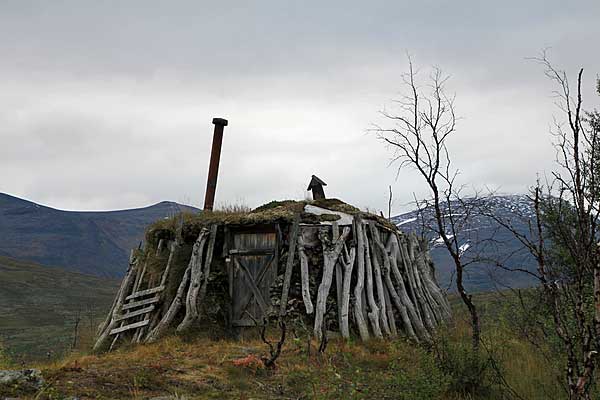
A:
27	379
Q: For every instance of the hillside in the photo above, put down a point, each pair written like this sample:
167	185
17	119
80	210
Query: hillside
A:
38	307
96	243
475	240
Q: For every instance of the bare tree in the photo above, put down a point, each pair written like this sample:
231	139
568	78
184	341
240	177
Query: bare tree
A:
424	121
563	238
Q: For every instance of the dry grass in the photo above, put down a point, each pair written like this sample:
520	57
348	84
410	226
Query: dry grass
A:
201	368
206	369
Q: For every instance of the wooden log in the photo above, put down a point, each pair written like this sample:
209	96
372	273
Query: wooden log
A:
159	247
345	311
287	278
331	252
167	319
433	293
374	315
207	263
407	267
132	260
339	275
128	281
379	253
422	302
141	332
174	246
360	281
136	286
426	301
378	280
406	253
130	326
390	311
411	318
401	307
146	292
102	327
304	275
135	313
195	267
135	304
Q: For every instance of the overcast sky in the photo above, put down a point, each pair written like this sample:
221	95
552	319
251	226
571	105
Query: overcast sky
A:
107	105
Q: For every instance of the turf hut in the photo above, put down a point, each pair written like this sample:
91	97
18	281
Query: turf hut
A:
323	263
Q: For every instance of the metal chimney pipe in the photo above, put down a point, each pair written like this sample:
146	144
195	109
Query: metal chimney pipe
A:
213	169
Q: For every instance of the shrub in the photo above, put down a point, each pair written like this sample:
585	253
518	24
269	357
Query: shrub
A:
425	381
469	372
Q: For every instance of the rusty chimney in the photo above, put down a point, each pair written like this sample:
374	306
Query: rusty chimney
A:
213	169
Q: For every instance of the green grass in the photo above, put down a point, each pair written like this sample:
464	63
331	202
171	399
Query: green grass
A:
39	305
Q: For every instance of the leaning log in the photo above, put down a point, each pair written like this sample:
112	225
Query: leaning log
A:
378	280
360	281
128	281
373	315
331	253
169	316
287	278
195	267
304	275
345	309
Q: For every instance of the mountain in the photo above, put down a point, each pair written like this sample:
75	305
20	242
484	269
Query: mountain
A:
96	243
482	238
39	306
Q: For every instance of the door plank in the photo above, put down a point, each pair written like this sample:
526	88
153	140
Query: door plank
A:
257	295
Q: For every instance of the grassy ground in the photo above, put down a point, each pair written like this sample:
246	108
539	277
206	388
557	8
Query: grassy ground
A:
201	368
39	306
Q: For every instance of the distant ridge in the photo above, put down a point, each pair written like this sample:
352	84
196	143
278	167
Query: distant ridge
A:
483	276
91	242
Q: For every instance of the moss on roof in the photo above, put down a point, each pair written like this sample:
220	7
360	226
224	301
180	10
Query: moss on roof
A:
272	212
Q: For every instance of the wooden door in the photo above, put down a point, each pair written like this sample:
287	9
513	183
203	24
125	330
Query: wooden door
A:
253	263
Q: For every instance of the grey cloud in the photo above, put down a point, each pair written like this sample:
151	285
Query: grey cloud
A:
108	104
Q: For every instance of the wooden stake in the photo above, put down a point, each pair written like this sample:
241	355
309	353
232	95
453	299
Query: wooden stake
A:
348	266
287	279
195	266
360	281
331	252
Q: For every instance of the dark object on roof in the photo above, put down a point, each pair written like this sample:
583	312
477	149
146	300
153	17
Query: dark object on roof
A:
316	185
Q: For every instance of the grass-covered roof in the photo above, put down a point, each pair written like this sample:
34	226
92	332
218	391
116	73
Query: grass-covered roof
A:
273	212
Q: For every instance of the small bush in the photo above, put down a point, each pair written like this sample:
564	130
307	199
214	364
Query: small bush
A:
469	372
425	381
